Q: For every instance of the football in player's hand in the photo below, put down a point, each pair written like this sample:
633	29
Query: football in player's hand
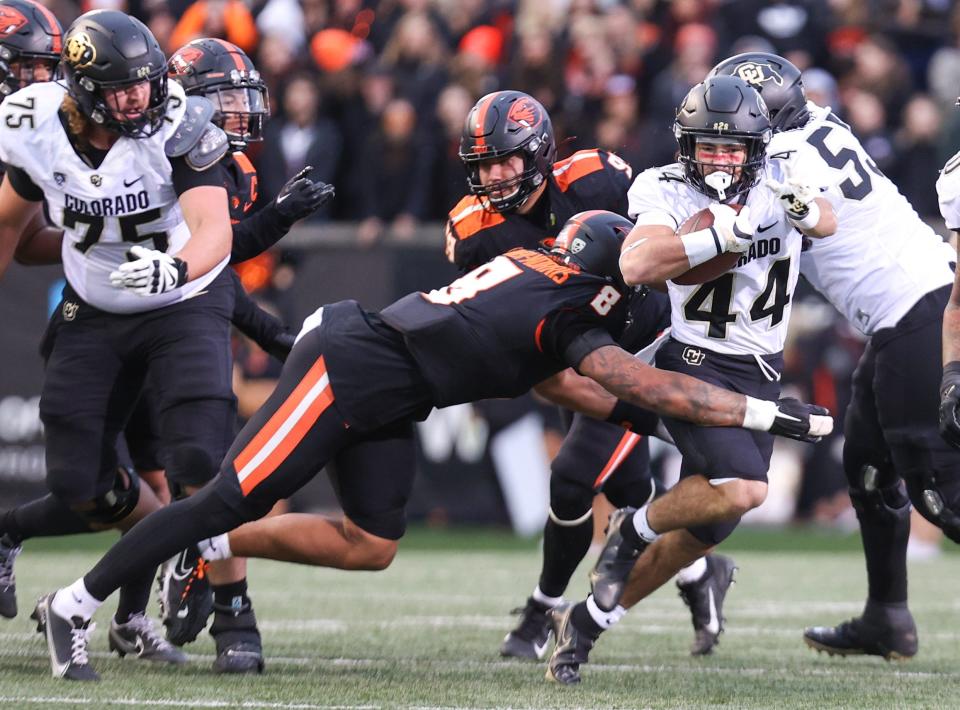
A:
711	269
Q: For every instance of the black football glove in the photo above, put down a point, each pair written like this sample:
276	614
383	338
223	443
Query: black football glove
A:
300	197
949	401
801	421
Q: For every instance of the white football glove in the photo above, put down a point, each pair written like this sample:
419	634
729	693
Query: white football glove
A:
796	197
735	230
149	272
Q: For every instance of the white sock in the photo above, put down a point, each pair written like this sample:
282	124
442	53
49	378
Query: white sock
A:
604	619
692	572
75	600
539	596
642	527
215	548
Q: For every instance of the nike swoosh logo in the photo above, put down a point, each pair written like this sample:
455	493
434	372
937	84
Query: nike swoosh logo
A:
539	648
713	626
183	611
769	226
132	182
282	198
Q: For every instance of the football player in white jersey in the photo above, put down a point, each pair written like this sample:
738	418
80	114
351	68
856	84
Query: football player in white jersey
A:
730	330
147	235
889	274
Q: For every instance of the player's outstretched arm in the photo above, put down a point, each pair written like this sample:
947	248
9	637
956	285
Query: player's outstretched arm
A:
950	382
682	397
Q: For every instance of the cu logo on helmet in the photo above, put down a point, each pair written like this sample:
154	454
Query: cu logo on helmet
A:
758	74
524	112
80	51
11	20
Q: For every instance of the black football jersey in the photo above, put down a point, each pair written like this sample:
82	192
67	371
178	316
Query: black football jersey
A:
587	180
506	326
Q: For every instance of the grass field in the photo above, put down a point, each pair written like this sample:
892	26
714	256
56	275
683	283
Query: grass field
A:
425	634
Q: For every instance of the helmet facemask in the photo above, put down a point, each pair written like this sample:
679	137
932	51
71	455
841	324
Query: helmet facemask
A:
99	102
19	69
241	110
508	194
721	180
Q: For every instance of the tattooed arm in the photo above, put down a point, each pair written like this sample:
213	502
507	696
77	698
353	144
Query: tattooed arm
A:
576	392
668	393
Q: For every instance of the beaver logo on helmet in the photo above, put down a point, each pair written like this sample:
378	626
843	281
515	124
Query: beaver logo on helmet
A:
756	73
525	113
11	20
181	62
80	51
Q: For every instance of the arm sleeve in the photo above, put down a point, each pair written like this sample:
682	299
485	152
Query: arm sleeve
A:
186	178
250	319
257	233
570	335
23	184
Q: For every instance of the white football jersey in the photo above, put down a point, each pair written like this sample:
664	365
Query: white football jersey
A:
883	258
129	199
948	192
745	311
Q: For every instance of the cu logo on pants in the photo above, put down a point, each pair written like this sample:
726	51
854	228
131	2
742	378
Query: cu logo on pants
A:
693	356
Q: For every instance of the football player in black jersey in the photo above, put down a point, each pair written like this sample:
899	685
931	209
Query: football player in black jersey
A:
520	196
497	331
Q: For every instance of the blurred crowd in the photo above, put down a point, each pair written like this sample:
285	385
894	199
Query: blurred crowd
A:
373	93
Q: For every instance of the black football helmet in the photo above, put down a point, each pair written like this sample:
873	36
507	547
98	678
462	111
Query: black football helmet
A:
592	240
30	37
107	50
223	73
501	124
723	108
778	81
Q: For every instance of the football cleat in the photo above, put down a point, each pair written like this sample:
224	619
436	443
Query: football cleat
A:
138	637
532	635
67	641
572	649
608	578
8	582
186	599
882	630
705	600
239	649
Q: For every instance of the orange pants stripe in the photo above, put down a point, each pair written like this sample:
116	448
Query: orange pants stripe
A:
623	450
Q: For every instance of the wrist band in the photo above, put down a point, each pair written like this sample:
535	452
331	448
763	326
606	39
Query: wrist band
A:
811	218
636	419
759	414
701	246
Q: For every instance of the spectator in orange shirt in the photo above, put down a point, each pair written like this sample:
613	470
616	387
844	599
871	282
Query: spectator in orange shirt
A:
226	19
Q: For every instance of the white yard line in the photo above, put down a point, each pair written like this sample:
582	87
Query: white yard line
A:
99	702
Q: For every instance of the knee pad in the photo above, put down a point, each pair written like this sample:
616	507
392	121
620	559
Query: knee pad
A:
114	505
714	533
879	496
571	502
938	502
188	465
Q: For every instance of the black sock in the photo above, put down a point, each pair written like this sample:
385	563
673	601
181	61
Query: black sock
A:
584	622
231	598
134	597
885	550
563	549
44	517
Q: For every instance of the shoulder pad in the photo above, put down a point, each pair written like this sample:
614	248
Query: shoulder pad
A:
200	141
469	218
568	171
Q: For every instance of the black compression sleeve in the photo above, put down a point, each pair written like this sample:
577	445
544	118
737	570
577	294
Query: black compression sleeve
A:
23	184
261	327
186	178
257	233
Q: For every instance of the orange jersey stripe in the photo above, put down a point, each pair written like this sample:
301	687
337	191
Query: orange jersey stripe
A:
623	450
469	218
581	163
278	427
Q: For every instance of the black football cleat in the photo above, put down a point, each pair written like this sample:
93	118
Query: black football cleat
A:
8	582
608	578
531	636
886	630
138	637
67	642
239	649
186	599
572	649
705	600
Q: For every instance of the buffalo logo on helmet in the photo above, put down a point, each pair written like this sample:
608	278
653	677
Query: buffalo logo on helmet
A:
11	20
80	51
184	59
757	74
524	112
